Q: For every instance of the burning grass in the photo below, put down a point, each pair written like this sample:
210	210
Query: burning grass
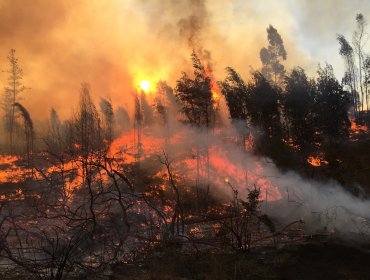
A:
357	130
151	193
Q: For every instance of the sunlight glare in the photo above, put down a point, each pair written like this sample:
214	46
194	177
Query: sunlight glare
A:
145	85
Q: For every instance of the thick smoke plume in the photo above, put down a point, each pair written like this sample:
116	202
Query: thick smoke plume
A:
113	45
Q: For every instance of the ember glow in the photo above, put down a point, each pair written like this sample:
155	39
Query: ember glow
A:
357	129
222	164
316	161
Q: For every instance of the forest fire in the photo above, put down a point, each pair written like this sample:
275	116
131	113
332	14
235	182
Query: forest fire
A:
216	91
178	153
161	179
220	166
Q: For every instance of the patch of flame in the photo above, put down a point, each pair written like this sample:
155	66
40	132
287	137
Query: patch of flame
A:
316	161
357	129
10	172
222	169
289	142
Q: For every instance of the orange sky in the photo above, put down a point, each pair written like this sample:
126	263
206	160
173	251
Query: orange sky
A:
114	44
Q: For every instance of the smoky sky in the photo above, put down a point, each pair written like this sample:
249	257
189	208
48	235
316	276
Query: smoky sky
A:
112	45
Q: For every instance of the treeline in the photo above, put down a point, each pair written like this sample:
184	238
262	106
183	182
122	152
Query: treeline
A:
89	129
285	109
288	112
12	107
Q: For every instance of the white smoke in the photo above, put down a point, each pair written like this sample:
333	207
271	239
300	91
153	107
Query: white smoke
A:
323	207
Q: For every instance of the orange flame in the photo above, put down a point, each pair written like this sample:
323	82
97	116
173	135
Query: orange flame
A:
221	166
10	172
357	129
316	161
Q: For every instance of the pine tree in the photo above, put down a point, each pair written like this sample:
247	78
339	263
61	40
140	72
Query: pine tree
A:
11	95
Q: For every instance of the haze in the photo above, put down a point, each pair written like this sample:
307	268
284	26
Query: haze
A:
113	45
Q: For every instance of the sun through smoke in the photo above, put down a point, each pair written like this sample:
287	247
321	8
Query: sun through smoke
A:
145	86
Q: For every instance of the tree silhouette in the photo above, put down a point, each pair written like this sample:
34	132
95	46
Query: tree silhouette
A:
298	103
86	130
11	94
358	43
331	106
28	129
195	95
262	105
357	72
54	140
236	92
146	109
271	57
108	117
197	104
165	102
122	119
350	77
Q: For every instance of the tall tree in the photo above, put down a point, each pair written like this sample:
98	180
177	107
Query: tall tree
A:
55	123
331	106
272	56
162	102
236	94
28	129
197	104
262	105
108	116
358	43
54	140
146	109
350	77
138	120
11	94
298	105
122	120
367	79
87	128
235	91
195	95
357	72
